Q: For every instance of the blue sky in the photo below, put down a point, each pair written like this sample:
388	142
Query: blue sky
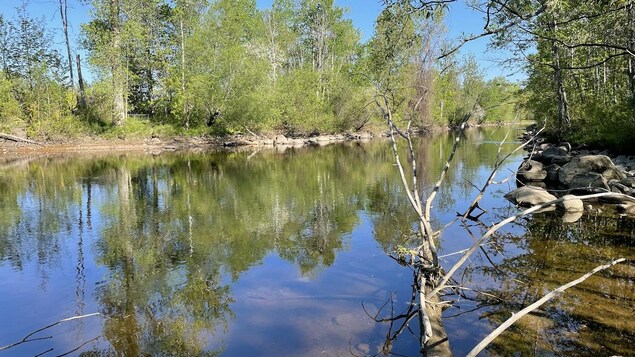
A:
461	20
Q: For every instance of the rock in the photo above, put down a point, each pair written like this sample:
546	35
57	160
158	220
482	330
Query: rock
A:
628	182
280	140
529	196
539	184
588	179
619	187
570	203
626	208
588	164
571	217
552	172
531	170
556	155
545	146
620	160
565	146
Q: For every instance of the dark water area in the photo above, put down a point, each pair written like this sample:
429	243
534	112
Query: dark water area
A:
286	253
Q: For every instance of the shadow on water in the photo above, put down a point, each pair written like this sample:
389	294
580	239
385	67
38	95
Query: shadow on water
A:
273	253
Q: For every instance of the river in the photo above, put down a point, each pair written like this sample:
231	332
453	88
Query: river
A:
286	253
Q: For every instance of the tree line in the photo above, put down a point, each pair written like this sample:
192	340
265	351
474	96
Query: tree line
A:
217	67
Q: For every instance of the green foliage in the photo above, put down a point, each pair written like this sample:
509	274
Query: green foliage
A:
217	67
581	77
10	113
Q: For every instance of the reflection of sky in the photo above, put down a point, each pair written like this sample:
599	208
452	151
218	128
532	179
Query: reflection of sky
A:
277	309
48	287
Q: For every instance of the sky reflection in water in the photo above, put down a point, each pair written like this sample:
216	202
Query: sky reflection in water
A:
274	253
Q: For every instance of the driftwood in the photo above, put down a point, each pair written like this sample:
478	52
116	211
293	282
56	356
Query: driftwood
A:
18	139
515	317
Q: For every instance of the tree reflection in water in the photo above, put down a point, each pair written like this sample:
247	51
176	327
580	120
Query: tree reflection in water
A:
160	245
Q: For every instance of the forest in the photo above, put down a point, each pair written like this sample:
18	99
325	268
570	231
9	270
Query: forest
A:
216	67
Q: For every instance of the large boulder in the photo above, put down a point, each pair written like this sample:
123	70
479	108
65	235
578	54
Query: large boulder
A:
570	203
529	196
588	180
600	164
556	155
531	170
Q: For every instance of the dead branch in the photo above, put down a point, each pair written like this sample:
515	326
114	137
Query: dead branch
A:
18	139
499	225
515	317
26	338
497	166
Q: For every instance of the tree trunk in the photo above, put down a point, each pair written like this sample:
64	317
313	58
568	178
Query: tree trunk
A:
82	94
64	16
185	111
119	106
564	121
631	47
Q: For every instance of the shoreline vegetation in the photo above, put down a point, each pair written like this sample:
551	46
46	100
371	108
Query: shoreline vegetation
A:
219	68
18	146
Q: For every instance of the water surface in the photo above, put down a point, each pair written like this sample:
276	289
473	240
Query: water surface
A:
285	253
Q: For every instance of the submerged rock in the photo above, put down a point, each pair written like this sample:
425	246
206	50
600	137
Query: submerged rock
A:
529	196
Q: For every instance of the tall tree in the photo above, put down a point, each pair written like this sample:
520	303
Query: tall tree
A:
63	4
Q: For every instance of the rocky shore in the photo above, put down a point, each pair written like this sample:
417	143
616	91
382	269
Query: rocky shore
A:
552	171
19	146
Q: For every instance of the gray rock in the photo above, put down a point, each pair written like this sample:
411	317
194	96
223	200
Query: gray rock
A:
620	160
531	170
588	164
565	146
556	155
281	140
561	160
570	203
628	182
529	196
588	179
552	172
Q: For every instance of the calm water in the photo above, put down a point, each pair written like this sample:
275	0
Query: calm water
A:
273	253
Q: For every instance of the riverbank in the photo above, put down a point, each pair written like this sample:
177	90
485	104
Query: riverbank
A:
558	171
155	145
16	145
